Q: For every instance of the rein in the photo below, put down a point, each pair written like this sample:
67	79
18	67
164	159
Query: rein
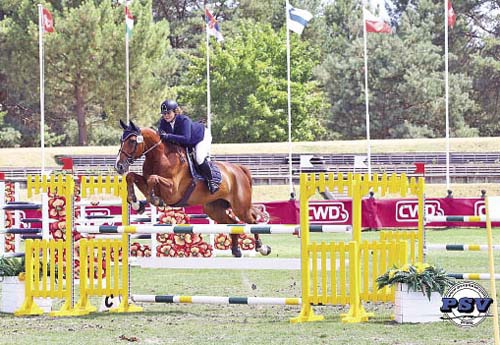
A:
151	148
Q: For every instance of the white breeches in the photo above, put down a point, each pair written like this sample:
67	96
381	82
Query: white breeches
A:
202	149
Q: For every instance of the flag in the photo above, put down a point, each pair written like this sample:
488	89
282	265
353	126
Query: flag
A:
452	16
213	28
419	168
360	161
47	21
297	19
67	163
375	24
129	21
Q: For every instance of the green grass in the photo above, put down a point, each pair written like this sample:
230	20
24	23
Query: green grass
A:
212	324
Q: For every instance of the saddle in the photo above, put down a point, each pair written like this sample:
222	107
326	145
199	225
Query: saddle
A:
197	176
195	173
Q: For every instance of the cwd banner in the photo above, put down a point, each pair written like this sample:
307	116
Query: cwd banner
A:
377	213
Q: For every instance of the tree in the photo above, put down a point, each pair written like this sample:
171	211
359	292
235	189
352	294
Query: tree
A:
405	79
85	66
249	87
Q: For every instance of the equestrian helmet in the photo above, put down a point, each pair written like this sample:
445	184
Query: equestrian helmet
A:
168	105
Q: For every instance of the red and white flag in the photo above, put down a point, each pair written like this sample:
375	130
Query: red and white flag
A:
47	21
375	24
452	16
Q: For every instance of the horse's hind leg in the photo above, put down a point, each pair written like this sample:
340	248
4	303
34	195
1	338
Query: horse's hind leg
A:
218	211
248	214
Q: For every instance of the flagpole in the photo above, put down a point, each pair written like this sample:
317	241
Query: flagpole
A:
207	42
292	191
446	91
368	144
42	90
127	65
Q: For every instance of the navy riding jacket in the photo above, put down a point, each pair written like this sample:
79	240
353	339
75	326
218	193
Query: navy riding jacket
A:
185	131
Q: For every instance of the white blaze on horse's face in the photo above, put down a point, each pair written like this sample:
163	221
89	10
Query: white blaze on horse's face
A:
120	167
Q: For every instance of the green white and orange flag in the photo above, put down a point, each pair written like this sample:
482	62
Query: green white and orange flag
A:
129	21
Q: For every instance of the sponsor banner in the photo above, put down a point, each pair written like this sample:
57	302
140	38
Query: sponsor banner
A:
377	213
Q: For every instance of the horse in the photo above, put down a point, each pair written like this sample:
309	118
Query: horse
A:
166	180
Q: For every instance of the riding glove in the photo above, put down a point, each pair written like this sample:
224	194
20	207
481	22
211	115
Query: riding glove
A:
164	136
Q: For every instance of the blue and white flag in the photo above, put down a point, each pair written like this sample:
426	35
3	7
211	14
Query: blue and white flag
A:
297	19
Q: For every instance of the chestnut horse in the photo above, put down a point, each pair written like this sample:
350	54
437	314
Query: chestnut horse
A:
166	180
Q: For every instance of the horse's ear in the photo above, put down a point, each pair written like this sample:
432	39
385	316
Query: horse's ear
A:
134	127
124	126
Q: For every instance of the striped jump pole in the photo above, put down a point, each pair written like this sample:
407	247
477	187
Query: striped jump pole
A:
210	229
461	219
473	276
178	299
461	247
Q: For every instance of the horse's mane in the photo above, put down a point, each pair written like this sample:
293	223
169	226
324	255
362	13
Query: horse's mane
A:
168	146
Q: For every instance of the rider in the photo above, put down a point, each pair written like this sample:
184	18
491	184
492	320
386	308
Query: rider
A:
180	129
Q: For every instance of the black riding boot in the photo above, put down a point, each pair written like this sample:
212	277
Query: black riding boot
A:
207	174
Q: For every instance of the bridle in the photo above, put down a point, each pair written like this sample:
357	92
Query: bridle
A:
131	157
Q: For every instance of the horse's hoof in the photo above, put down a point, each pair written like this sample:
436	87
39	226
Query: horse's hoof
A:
142	207
236	252
264	250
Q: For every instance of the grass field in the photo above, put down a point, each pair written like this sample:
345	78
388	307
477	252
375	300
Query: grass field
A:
210	324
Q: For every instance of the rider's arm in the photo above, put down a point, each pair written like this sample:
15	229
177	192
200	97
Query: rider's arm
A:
182	134
162	130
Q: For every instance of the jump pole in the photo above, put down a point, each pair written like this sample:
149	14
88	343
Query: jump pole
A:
491	263
179	299
234	229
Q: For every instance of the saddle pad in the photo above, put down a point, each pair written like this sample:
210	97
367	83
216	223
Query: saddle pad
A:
216	174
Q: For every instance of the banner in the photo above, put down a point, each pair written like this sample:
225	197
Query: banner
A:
377	214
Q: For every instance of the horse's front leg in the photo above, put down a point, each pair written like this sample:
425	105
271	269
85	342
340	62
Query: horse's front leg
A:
134	179
157	188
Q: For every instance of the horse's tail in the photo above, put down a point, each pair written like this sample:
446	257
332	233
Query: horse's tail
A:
247	172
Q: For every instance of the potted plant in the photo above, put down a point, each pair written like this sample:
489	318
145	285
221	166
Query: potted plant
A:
12	278
419	288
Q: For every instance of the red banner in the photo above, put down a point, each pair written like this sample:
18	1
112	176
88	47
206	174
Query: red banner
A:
376	213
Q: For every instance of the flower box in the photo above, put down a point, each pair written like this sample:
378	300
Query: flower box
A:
415	307
13	296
